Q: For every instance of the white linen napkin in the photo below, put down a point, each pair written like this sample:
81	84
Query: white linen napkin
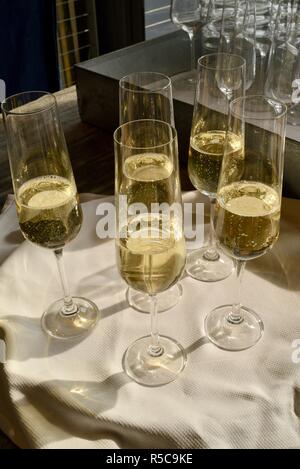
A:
75	395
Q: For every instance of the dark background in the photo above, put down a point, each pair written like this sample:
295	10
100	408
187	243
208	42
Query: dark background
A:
29	46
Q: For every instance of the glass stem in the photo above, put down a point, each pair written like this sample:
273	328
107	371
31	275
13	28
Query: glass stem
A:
236	317
155	349
69	308
211	254
193	50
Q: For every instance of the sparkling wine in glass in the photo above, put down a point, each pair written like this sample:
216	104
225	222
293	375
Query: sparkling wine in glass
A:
46	197
148	95
248	208
150	244
221	77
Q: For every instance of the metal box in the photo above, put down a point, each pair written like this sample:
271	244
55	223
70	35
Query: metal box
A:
98	91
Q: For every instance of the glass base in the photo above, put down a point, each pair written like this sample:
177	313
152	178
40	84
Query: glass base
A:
154	371
59	326
201	268
165	301
228	335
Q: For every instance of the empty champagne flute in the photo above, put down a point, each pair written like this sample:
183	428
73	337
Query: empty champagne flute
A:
46	198
248	207
148	95
238	36
190	16
150	244
223	19
265	16
221	77
245	42
283	78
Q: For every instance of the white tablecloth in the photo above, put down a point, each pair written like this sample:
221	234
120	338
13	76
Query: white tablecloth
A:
75	395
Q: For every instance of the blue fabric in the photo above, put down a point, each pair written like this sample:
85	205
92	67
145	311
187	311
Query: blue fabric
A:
28	45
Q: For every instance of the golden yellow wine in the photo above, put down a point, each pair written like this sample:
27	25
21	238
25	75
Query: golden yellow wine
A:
152	256
247	219
148	178
205	158
49	211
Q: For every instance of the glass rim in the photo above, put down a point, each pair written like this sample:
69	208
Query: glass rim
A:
28	93
127	124
225	54
262	97
162	88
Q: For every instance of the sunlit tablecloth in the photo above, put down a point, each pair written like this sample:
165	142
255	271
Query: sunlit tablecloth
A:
75	395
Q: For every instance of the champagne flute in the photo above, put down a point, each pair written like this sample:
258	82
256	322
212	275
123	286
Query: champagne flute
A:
223	19
283	78
238	36
148	95
221	77
190	16
150	243
245	42
248	207
265	23
46	198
